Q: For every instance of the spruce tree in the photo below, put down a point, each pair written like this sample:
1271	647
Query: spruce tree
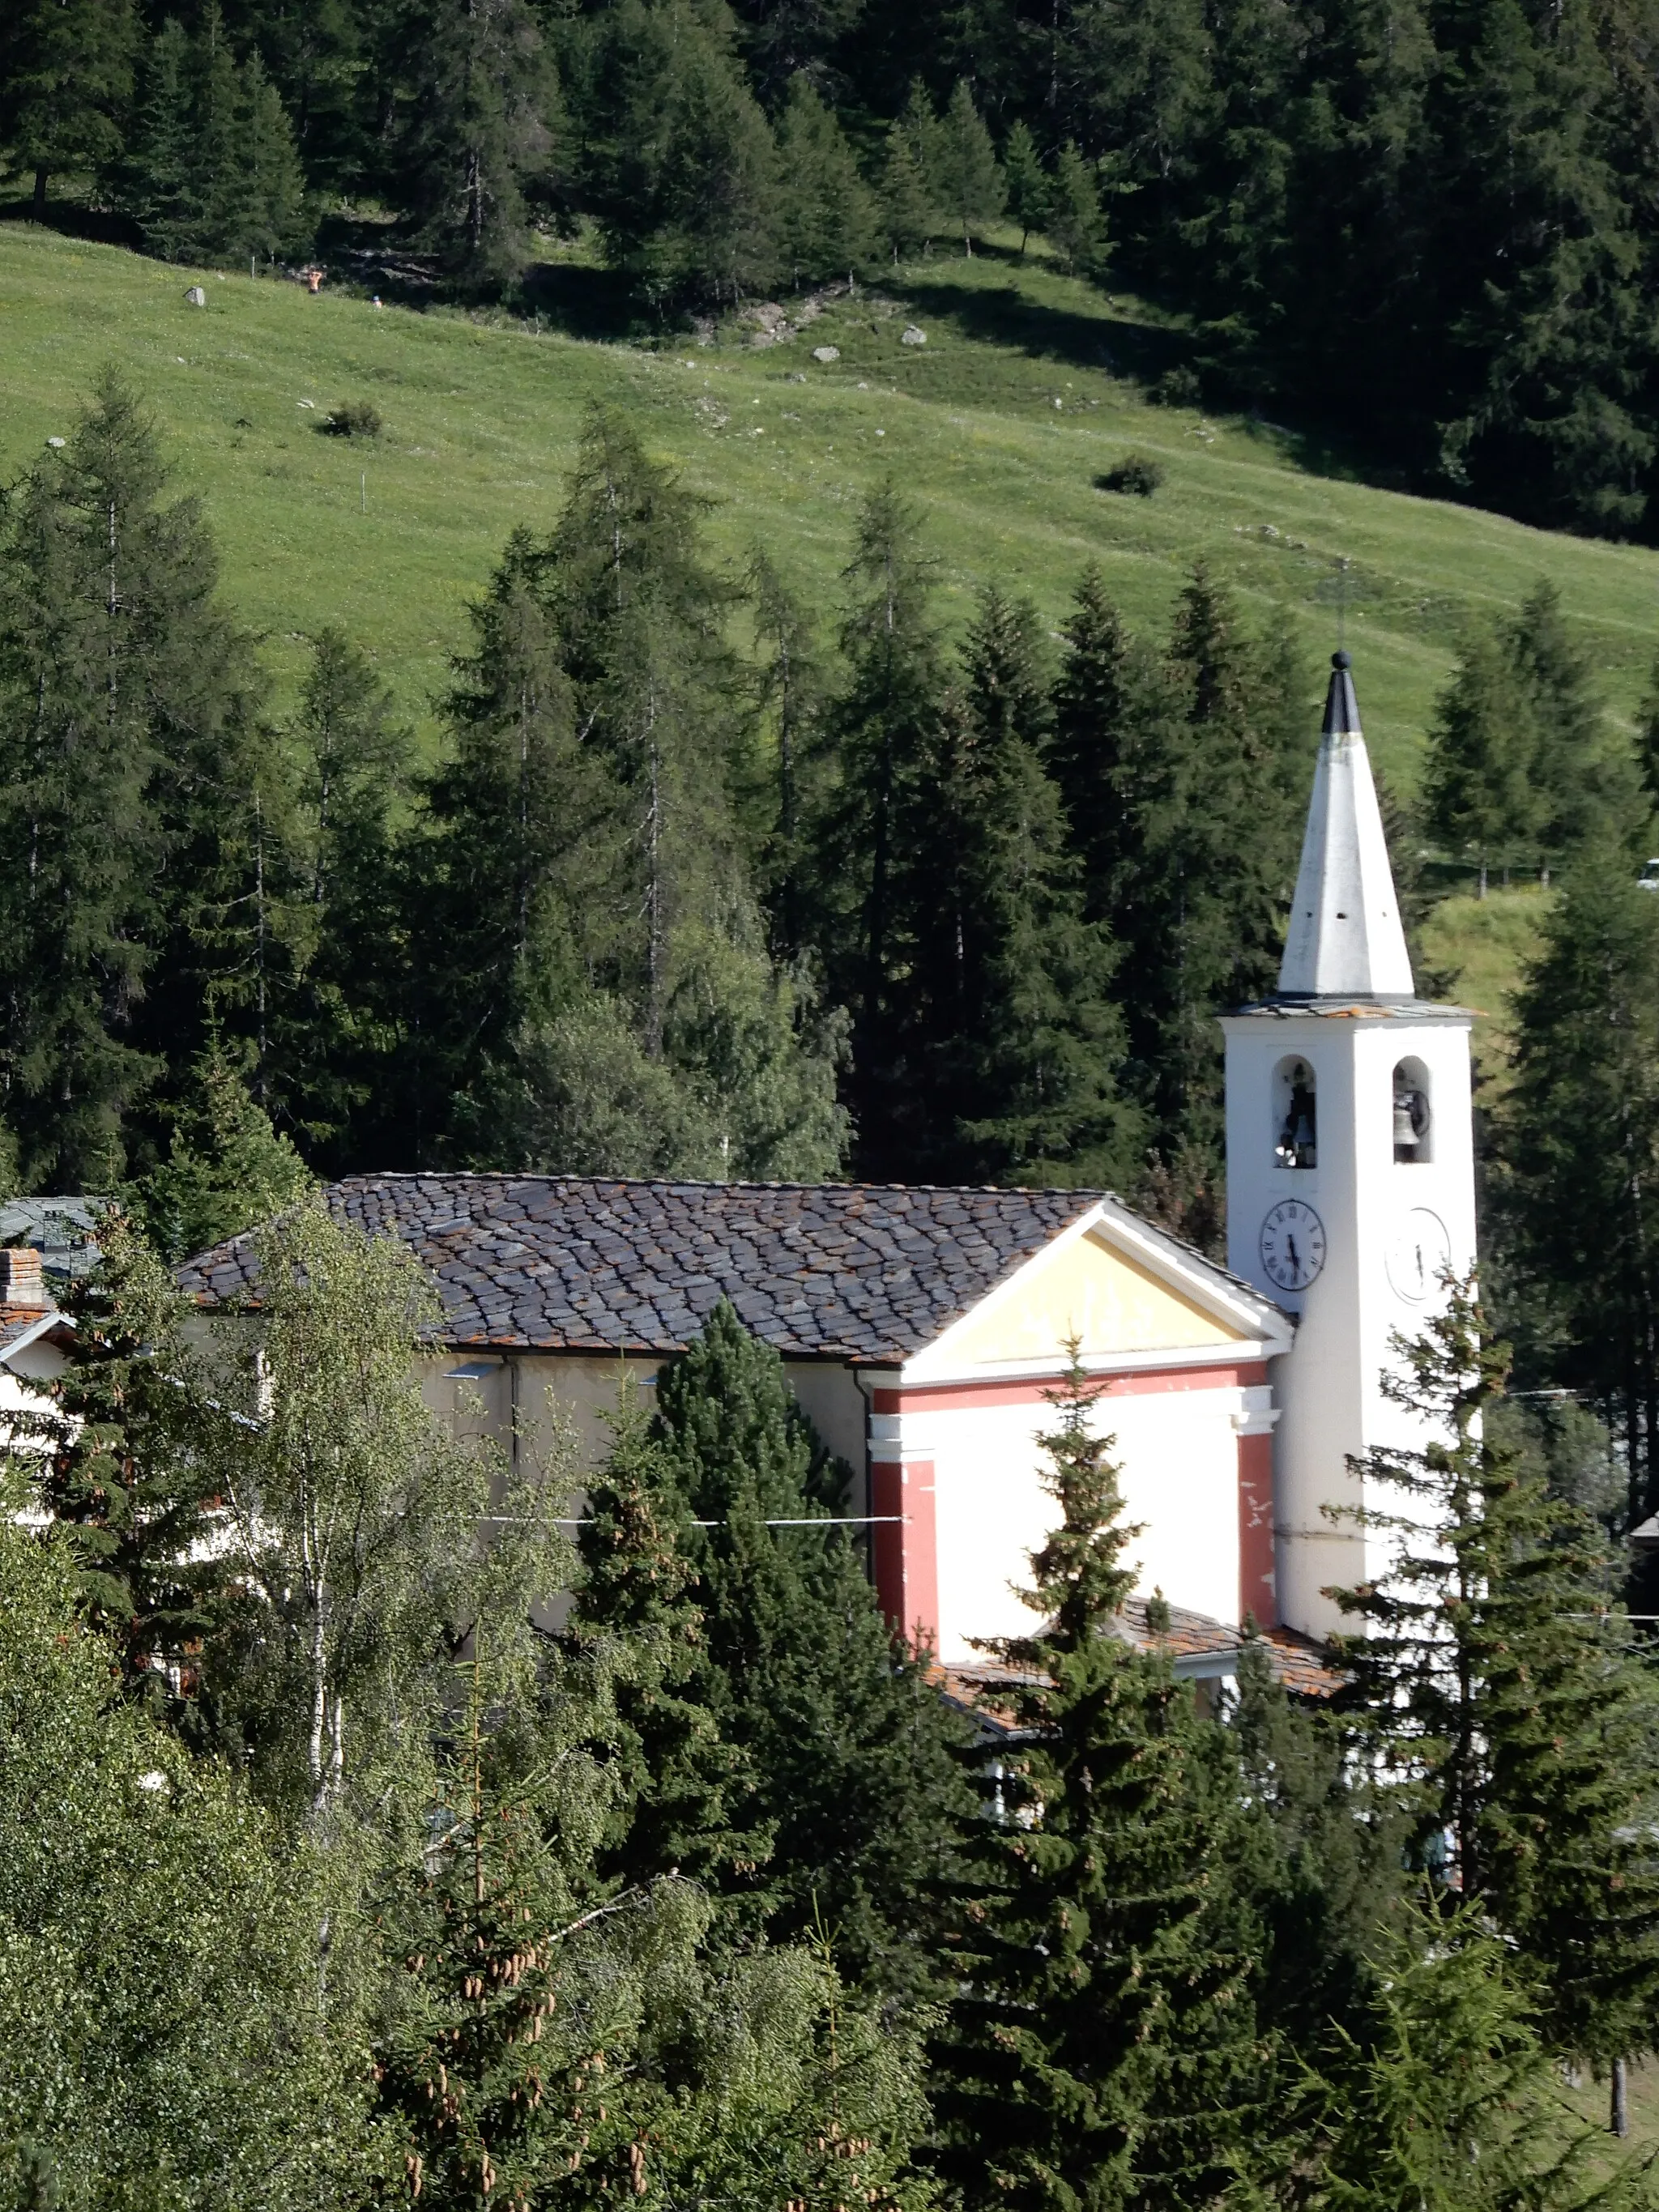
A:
1240	795
157	184
269	216
123	1477
885	728
1018	1042
66	79
517	832
209	172
1479	799
968	176
1578	1141
1444	2095
1582	785
1490	1690
228	1169
1102	2049
848	1745
1184	790
635	1612
1647	740
1327	1878
353	773
827	216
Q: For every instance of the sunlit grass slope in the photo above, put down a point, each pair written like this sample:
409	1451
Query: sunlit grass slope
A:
1024	392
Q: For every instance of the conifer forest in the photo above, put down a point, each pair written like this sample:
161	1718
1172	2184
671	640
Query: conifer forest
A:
388	1818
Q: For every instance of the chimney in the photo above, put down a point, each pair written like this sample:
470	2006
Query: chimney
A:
20	1281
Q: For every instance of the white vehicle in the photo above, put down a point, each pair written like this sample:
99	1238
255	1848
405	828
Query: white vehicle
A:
1649	878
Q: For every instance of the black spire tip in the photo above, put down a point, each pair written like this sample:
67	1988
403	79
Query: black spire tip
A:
1341	708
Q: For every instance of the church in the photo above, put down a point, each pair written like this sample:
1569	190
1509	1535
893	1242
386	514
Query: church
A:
923	1327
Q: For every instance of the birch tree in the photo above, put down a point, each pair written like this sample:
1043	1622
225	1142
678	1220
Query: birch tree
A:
355	1516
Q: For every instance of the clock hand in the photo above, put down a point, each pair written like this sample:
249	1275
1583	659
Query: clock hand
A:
1294	1257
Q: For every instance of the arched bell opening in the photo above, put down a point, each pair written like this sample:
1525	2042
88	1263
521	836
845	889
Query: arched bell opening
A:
1414	1116
1296	1114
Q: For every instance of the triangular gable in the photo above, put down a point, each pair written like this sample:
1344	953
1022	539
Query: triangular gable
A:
1127	1294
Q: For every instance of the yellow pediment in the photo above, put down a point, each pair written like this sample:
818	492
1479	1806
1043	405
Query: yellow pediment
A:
1085	1288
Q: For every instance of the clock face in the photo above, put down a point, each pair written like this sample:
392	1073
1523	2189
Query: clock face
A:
1419	1252
1293	1244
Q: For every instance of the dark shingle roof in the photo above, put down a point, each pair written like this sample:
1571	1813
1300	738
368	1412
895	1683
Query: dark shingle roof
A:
859	1270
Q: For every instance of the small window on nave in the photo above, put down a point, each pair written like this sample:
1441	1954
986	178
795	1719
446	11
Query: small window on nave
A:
1414	1123
1296	1117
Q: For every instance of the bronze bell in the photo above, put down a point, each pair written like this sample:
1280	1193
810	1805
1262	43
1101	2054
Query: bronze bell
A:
1404	1134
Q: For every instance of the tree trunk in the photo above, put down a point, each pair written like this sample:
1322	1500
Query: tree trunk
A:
1619	2118
40	176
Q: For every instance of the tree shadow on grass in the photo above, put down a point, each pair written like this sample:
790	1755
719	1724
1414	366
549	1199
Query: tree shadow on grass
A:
1006	315
70	220
579	302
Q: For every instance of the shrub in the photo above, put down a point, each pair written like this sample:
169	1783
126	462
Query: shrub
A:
357	418
1137	473
1176	387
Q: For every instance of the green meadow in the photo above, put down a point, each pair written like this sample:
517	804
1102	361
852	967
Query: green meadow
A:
1029	386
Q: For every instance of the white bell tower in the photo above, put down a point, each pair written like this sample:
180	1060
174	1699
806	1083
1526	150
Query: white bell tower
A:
1350	1167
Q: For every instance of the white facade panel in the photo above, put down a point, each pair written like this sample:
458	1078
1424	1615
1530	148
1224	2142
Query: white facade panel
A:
1178	1452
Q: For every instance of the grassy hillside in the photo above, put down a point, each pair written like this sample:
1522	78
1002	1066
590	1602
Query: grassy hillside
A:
1027	390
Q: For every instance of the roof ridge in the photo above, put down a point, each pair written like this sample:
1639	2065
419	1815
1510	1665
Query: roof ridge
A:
1087	1193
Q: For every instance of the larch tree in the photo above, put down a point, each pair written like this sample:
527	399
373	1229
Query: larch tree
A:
1028	183
118	665
66	81
969	176
482	135
1075	221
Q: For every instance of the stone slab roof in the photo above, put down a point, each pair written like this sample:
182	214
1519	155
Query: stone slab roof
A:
1199	1648
867	1272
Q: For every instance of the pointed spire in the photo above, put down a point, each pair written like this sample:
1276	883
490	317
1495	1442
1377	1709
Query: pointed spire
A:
1345	938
